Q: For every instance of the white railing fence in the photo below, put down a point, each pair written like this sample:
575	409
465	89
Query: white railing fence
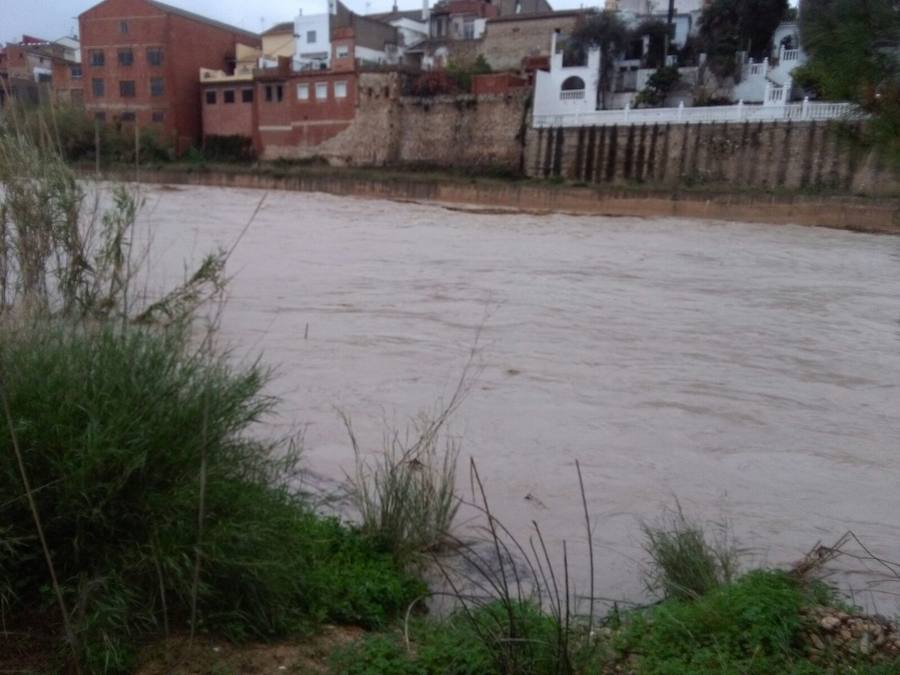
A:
571	95
806	111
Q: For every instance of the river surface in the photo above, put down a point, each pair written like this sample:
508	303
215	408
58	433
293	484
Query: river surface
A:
751	372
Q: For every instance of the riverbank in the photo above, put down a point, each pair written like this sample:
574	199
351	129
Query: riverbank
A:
506	194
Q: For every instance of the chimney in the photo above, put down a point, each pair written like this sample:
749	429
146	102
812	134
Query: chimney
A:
425	12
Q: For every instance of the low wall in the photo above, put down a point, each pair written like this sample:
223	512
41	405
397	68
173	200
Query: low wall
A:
859	214
765	156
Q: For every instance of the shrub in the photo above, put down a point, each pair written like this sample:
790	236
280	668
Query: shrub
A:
121	430
659	85
751	626
684	563
228	148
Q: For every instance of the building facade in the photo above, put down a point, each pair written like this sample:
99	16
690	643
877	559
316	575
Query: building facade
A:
140	64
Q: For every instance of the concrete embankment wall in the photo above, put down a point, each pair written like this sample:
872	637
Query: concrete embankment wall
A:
765	156
860	214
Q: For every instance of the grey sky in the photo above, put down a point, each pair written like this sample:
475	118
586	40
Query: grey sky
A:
52	19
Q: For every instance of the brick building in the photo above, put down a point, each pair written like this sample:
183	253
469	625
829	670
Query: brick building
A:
141	59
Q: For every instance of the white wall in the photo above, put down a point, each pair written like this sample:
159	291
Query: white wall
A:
321	47
548	98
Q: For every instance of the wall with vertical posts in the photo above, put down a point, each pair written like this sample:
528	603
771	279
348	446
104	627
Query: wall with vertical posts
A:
748	156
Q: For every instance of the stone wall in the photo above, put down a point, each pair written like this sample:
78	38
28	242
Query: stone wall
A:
508	39
450	131
754	156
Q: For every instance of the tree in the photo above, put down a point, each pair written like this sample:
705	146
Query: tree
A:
854	50
730	26
659	85
607	32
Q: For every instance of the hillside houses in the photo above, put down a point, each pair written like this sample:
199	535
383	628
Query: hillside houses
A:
197	82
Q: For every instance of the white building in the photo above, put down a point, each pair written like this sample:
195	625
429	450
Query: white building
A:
312	38
572	83
771	80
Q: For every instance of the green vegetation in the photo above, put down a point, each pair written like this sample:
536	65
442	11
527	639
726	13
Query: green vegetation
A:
854	52
684	564
659	85
607	32
730	26
121	431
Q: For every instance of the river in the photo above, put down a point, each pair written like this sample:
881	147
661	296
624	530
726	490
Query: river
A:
751	372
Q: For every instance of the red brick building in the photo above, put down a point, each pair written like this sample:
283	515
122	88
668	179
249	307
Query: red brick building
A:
140	60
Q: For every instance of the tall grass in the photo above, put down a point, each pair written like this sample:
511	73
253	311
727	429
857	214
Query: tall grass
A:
685	561
406	495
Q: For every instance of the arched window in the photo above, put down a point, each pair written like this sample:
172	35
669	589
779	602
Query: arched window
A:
572	83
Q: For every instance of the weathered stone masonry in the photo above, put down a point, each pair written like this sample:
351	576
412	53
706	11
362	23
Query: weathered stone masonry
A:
755	156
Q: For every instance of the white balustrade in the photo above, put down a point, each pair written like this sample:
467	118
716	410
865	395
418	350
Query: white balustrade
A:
572	95
742	112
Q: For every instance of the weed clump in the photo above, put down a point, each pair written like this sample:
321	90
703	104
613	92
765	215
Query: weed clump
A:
684	562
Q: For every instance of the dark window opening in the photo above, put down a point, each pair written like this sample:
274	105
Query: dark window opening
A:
228	96
155	56
126	57
157	87
75	72
274	93
123	26
126	89
159	116
98	88
247	96
572	84
127	117
98	58
210	98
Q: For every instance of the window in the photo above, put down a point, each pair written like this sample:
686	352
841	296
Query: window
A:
126	88
321	91
340	90
98	58
75	72
155	56
126	117
123	26
100	116
210	98
342	52
98	88
159	116
302	92
468	29
274	92
157	86
311	37
228	96
126	57
246	96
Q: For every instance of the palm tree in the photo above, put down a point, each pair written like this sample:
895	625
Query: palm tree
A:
607	32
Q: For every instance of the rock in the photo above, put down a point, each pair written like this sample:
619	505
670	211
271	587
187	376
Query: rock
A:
865	645
846	635
830	622
817	642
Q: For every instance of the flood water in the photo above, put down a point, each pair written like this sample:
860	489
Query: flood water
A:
750	371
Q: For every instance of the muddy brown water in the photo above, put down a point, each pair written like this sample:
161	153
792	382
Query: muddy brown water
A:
750	371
